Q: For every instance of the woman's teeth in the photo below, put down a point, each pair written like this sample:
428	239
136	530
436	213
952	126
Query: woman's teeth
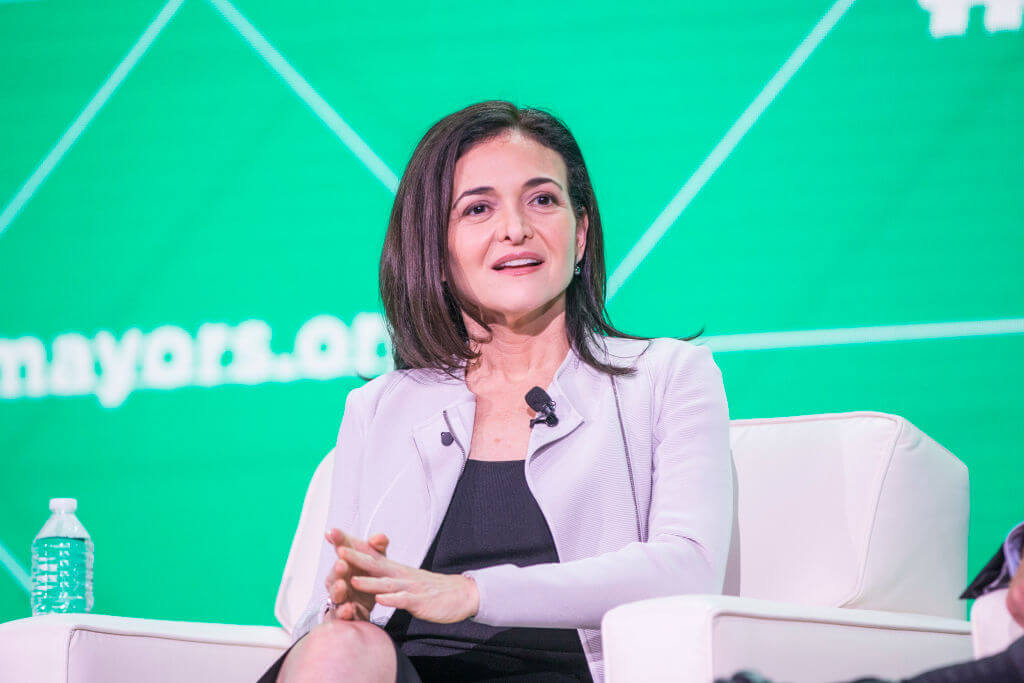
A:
519	262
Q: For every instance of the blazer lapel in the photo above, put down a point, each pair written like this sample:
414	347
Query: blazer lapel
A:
443	464
568	420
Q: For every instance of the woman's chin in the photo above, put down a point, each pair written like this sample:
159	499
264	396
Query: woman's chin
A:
521	310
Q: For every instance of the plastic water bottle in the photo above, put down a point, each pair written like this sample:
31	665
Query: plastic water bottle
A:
62	562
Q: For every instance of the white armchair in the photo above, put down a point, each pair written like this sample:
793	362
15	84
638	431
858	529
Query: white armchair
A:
848	553
848	556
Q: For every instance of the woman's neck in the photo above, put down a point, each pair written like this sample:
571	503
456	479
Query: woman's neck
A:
518	354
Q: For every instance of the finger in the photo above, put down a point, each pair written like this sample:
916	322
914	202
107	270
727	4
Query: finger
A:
364	561
343	540
359	612
374	545
399	599
339	537
340	540
363	548
378	584
339	570
338	591
351	611
380	545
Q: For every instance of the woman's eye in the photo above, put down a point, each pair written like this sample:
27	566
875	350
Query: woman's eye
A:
471	211
552	199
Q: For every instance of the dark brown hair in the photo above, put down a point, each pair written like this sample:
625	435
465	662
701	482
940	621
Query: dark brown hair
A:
422	311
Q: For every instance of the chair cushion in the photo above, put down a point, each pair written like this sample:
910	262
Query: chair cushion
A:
857	509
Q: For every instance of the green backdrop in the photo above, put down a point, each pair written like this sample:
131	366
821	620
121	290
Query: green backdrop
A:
194	197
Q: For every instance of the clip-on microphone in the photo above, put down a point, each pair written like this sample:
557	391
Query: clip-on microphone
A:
539	400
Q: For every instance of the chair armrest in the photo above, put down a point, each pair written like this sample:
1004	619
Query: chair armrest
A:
992	627
700	637
66	648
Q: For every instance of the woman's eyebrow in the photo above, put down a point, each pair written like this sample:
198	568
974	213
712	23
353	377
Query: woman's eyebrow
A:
540	181
484	189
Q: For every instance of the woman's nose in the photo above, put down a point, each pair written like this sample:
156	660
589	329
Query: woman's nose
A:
517	228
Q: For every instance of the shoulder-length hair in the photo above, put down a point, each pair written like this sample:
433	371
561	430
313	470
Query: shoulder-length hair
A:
423	313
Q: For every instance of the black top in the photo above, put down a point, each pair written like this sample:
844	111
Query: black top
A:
492	519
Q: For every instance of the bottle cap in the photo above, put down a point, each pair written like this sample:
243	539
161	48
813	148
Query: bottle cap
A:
63	504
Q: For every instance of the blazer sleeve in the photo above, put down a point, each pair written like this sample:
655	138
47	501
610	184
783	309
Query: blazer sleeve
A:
690	520
342	508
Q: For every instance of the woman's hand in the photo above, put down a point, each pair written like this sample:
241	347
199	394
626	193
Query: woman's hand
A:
352	604
430	596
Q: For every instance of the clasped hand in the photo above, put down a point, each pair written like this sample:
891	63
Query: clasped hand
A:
363	575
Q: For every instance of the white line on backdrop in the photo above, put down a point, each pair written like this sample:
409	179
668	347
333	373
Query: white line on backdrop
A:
78	126
724	148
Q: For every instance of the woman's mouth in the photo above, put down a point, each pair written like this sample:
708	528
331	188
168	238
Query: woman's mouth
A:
520	266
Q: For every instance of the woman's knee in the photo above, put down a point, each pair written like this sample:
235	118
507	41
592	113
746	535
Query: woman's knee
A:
336	645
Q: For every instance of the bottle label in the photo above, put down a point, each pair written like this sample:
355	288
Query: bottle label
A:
59	575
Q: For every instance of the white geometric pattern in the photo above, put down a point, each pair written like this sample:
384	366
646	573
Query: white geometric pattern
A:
264	49
721	151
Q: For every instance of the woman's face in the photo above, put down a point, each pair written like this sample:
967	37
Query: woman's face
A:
511	199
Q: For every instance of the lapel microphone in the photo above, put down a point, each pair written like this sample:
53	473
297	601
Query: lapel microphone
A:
539	400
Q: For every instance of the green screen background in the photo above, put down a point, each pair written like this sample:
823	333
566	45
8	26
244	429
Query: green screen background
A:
881	187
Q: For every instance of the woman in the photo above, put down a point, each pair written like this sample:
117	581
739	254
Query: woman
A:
508	528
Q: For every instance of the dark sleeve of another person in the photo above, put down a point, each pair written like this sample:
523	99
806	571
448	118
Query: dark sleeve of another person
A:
980	585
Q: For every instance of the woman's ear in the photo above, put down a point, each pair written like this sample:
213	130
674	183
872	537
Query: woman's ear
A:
582	225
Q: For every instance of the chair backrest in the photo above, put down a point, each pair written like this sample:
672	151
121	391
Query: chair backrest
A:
856	509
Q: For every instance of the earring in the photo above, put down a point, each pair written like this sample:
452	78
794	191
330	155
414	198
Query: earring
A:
578	269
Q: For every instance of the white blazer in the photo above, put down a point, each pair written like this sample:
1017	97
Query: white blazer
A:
658	525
